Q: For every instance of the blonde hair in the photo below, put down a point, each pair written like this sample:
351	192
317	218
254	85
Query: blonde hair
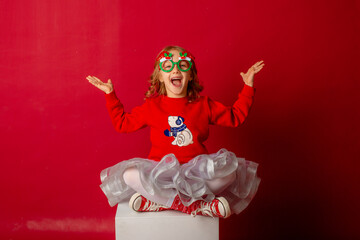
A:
158	88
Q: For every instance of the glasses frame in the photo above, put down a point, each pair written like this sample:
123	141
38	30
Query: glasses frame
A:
173	65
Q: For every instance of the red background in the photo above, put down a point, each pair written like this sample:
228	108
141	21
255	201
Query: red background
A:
56	135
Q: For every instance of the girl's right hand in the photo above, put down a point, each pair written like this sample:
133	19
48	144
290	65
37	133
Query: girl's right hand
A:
105	87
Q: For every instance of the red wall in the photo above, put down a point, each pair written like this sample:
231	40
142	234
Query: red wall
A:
56	135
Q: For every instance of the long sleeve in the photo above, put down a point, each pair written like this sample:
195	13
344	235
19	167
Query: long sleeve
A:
122	121
235	115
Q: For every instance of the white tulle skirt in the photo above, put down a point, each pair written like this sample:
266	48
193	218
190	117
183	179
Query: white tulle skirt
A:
168	178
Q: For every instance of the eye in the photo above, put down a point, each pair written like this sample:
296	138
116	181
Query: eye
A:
184	64
167	65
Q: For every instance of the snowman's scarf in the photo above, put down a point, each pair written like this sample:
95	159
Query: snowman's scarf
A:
175	130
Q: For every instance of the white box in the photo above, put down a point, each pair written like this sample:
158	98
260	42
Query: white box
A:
165	225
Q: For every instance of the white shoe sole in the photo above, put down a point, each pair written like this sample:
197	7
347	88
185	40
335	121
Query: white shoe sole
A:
135	202
225	205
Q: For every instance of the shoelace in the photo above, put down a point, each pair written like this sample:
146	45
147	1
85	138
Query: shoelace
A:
151	206
207	209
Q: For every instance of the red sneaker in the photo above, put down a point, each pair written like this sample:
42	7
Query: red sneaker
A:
141	204
219	207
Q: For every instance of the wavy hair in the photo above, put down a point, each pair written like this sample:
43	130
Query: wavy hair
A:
158	88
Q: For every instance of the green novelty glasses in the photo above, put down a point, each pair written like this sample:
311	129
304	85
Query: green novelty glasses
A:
182	65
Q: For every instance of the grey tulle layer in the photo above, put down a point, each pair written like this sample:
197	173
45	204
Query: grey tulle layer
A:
168	178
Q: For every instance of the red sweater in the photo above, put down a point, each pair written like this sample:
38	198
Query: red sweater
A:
178	126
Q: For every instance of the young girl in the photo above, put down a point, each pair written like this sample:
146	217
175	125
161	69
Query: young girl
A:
179	173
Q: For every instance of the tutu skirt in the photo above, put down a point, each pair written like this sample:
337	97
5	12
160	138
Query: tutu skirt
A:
168	178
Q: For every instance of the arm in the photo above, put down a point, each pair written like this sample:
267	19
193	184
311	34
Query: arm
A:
235	115
125	122
122	121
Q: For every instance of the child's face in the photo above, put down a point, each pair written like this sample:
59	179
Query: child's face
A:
176	81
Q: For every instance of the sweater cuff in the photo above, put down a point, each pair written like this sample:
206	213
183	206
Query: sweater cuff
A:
111	97
247	91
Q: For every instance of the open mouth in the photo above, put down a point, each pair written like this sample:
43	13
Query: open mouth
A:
176	81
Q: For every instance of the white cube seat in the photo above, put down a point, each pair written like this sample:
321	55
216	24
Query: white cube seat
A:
165	225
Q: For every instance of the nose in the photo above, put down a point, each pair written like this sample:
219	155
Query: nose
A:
175	69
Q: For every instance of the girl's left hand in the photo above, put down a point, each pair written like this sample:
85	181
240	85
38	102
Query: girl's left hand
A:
249	76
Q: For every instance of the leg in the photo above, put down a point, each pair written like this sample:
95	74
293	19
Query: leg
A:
132	179
220	184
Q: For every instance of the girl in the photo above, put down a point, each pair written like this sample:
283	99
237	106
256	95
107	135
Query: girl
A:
179	173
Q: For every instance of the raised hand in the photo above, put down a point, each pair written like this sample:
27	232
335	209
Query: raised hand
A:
248	77
106	87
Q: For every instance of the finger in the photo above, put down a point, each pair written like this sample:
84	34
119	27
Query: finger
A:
95	82
97	79
109	81
258	69
91	79
258	64
99	86
262	65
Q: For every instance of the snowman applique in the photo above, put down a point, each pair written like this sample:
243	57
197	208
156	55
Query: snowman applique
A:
179	131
